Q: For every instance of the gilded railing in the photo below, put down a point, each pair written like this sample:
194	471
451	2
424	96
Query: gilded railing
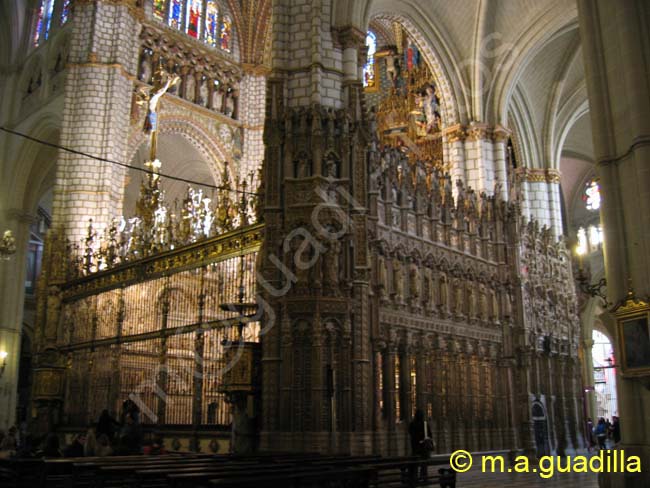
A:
153	331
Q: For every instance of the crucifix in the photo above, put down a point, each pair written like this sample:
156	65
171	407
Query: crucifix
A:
162	82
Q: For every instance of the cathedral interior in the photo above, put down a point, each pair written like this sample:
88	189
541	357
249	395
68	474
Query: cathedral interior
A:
291	224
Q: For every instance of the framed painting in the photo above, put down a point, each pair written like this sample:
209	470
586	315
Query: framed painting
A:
633	324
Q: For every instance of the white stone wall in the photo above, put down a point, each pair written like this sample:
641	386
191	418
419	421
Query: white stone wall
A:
96	116
305	48
500	170
555	209
538	202
479	165
252	111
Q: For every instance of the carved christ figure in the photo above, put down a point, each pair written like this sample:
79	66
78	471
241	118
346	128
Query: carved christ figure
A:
162	82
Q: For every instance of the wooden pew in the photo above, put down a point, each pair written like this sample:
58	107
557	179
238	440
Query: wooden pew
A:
358	477
405	470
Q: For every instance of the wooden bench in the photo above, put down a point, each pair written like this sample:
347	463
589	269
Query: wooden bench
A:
358	477
405	471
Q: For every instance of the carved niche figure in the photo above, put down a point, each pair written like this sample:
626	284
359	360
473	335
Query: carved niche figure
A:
483	303
217	99
203	93
433	291
382	280
145	69
426	288
444	293
494	304
458	297
414	282
302	166
331	265
190	85
471	300
331	168
229	108
398	280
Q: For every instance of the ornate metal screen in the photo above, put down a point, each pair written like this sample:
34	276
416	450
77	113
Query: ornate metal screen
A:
152	331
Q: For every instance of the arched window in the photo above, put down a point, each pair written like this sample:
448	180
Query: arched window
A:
211	23
175	8
43	21
369	75
592	195
225	35
589	239
194	10
200	19
65	11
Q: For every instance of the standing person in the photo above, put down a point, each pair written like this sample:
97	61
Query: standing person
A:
76	447
616	430
91	442
601	433
590	434
130	437
106	425
421	441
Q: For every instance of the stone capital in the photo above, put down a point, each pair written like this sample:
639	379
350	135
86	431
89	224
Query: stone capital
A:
255	69
348	37
478	132
455	133
500	134
539	175
19	215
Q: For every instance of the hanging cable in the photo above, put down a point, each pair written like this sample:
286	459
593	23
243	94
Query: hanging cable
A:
124	165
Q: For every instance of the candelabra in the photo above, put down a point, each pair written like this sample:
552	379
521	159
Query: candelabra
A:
158	226
593	290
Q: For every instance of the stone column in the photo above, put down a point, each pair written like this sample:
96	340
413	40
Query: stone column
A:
98	86
479	158
500	137
617	72
454	138
251	115
390	396
12	272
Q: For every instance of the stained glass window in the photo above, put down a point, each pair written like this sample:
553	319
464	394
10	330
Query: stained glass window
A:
44	20
592	195
175	8
211	23
159	9
226	32
194	9
48	17
39	26
65	11
412	56
369	77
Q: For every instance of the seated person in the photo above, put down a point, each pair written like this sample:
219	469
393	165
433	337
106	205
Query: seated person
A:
76	447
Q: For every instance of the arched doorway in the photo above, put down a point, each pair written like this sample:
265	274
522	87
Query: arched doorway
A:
602	354
540	428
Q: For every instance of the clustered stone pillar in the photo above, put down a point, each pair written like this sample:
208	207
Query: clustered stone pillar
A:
99	83
617	72
477	156
541	194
